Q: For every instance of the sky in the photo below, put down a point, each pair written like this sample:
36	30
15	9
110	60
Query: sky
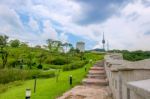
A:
125	23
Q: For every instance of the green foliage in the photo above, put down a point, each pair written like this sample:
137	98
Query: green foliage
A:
9	75
5	87
11	63
3	40
15	43
40	66
75	65
59	61
54	45
48	60
136	55
46	74
93	56
24	44
47	88
49	66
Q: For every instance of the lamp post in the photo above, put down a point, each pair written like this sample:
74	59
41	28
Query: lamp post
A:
28	94
34	83
85	68
70	80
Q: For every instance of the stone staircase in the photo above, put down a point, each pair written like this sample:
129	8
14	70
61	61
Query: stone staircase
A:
94	86
96	76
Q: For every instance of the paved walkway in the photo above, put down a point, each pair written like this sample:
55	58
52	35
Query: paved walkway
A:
95	86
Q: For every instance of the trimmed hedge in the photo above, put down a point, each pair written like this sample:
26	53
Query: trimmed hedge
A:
74	65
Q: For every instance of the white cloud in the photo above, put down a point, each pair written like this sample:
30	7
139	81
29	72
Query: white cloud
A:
63	37
125	31
33	24
9	19
48	31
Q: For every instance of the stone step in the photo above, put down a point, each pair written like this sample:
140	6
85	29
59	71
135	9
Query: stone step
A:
92	81
99	64
97	76
97	72
97	68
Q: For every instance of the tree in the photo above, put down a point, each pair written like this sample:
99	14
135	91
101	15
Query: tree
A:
57	45
41	58
50	43
4	53
4	58
3	41
30	60
67	46
15	43
54	45
24	44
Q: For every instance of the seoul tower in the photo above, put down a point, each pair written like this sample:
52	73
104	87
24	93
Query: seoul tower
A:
103	41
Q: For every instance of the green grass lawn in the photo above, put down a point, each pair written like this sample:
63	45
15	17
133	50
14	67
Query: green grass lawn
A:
46	88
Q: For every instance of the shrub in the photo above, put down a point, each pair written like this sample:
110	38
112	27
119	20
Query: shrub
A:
59	61
74	65
48	60
12	63
136	55
9	75
39	66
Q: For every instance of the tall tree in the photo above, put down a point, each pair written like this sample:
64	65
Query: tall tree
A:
67	46
50	43
41	57
54	45
3	41
30	59
4	53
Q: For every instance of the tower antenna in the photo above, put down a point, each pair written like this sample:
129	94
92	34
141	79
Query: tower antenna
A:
103	41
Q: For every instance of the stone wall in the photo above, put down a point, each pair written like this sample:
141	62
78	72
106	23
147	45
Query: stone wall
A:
120	72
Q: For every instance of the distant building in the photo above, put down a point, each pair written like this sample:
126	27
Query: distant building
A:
80	46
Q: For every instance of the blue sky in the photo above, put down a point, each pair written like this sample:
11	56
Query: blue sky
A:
125	22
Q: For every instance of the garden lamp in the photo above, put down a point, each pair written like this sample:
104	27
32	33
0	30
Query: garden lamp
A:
28	93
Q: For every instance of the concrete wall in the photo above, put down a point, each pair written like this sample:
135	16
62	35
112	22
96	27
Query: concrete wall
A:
139	89
120	72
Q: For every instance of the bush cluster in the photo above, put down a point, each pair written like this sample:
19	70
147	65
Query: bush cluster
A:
59	61
9	75
136	55
74	65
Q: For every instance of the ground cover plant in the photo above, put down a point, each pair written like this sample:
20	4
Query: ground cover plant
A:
51	64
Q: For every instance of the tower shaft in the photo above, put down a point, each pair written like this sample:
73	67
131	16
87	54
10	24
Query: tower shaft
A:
103	41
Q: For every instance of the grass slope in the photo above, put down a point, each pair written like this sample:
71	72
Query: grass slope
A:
46	88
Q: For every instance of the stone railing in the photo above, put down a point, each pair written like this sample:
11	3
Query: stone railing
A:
139	89
122	73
